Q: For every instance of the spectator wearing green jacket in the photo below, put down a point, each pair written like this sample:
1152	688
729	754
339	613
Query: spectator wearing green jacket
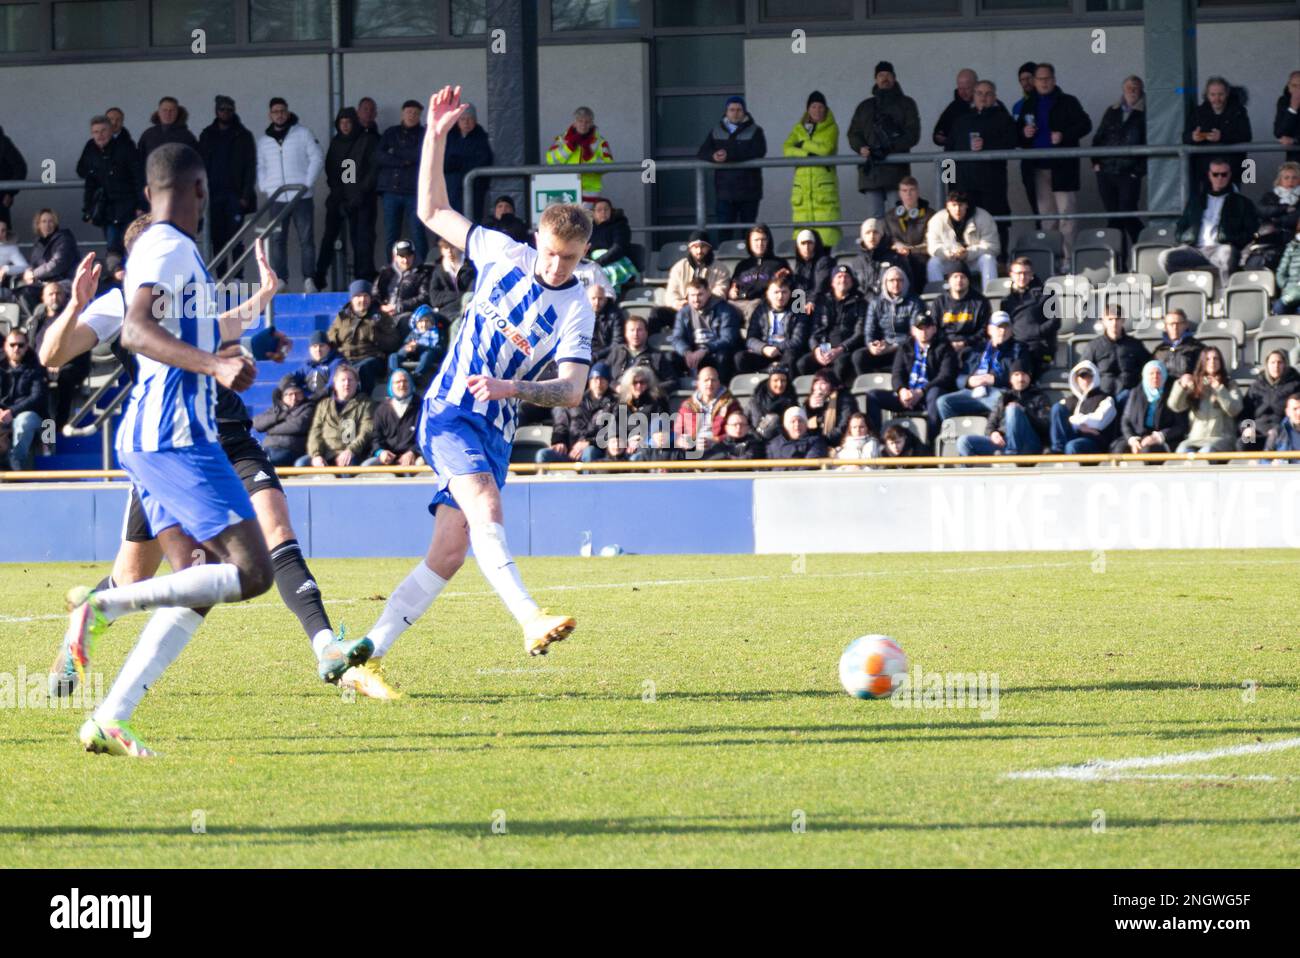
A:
815	194
342	426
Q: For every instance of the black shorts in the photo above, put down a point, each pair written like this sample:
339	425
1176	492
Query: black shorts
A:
245	454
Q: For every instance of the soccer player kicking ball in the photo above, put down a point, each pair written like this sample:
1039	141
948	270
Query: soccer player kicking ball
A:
79	328
168	444
528	309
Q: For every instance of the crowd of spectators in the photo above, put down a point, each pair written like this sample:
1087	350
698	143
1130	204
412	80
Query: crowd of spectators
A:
812	311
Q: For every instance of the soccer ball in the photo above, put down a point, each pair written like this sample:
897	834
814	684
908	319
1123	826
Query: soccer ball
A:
872	666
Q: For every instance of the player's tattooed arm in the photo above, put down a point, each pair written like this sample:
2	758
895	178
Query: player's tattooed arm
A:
565	390
550	392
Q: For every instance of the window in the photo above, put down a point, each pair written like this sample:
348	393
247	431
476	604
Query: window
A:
807	10
699	61
915	8
689	13
100	25
284	21
681	122
468	18
1029	5
1114	6
19	32
595	14
372	19
173	22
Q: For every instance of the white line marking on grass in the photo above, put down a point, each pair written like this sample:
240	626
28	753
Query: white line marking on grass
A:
1099	769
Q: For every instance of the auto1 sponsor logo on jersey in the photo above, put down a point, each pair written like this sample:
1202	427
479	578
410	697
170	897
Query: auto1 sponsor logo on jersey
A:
501	323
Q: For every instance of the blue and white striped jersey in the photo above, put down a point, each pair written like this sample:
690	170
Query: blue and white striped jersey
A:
513	326
170	408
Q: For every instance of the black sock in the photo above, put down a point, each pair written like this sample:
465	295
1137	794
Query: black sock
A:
105	583
298	588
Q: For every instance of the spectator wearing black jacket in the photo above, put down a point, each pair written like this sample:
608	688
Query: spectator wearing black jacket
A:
403	285
961	312
1119	357
986	372
635	350
1178	348
1220	120
1087	424
812	268
772	397
399	164
828	407
1052	118
875	255
1286	119
1030	324
962	103
12	167
468	148
924	370
795	440
610	317
838	325
286	424
351	173
1217	223
707	331
986	127
777	333
53	258
1148	424
1279	217
230	157
504	220
752	274
114	183
24	400
118	119
397	420
884	123
69	376
735	138
575	431
1019	424
611	242
453	276
738	441
1119	178
170	125
1265	403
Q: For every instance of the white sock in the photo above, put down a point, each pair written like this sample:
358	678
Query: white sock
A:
167	632
197	587
497	565
321	639
409	601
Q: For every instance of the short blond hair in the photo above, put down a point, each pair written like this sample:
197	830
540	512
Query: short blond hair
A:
567	222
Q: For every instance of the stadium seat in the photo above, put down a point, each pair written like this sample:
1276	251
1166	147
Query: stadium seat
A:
1227	334
1276	332
666	256
729	264
661	340
639	294
1097	253
1190	290
1151	334
1043	247
846	245
803	385
529	440
1071	299
9	316
1133	292
915	424
1056	377
868	381
744	384
954	428
642	309
1144	257
845	259
785	248
636	253
997	290
733	249
1248	296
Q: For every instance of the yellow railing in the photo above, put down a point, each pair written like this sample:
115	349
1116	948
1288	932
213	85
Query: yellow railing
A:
711	465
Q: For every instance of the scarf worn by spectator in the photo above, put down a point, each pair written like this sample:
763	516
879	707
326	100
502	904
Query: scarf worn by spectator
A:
584	142
918	378
1153	392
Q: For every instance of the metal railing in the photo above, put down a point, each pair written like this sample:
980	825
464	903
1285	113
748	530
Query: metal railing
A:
936	158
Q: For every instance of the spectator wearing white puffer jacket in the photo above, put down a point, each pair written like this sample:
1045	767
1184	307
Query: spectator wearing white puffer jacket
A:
288	153
962	233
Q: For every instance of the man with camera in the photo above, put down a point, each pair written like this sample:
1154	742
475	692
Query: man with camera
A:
884	123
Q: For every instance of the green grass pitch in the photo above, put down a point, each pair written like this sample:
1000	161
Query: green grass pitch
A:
695	718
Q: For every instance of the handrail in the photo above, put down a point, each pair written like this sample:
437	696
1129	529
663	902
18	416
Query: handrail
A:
828	465
250	224
935	157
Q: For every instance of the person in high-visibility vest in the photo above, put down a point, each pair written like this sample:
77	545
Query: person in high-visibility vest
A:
582	143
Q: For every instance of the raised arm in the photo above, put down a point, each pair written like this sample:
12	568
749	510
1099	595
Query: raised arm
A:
235	321
67	338
435	210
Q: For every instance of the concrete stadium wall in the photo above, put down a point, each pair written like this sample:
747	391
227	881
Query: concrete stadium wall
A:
1174	507
1257	55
